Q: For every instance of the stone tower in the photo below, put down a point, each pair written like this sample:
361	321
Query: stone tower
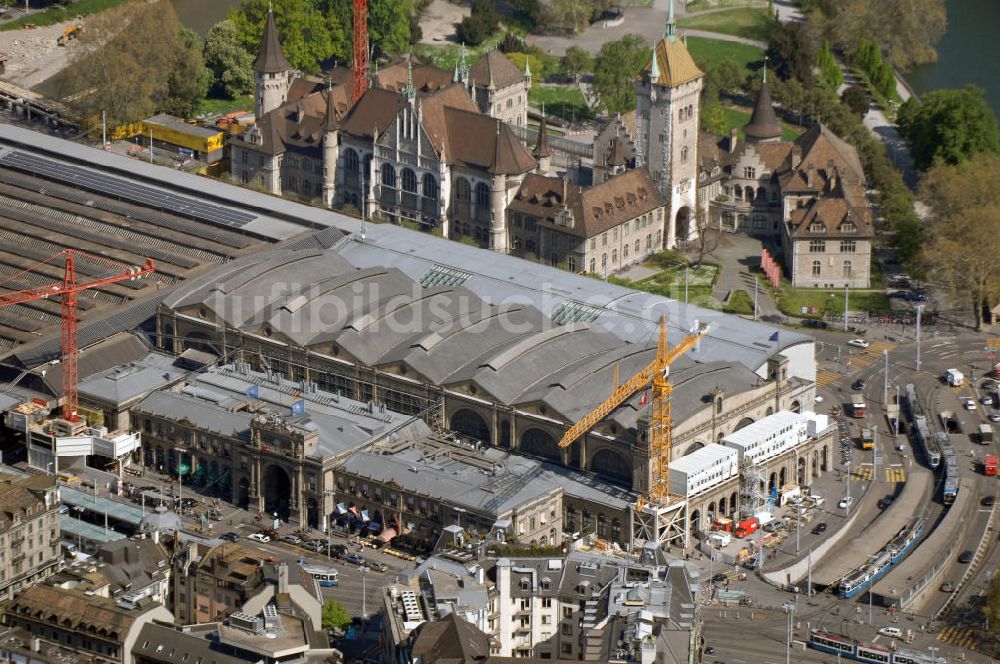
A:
667	112
272	73
331	149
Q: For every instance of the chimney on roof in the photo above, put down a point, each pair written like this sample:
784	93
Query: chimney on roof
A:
832	178
796	155
733	136
810	175
283	578
565	192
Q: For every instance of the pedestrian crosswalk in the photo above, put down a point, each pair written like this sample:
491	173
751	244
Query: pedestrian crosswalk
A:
864	473
826	378
895	475
963	637
870	355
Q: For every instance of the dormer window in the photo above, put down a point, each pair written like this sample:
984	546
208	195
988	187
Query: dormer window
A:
848	227
817	227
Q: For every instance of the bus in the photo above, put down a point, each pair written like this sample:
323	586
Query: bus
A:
324	576
858	405
867	439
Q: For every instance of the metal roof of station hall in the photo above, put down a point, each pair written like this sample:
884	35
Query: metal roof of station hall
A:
99	505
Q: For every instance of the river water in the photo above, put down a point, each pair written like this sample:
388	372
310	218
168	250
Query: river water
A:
969	52
201	15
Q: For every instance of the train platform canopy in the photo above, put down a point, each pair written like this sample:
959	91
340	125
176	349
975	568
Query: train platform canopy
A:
219	400
73	528
99	505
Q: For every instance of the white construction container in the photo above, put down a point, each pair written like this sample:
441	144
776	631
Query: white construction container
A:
702	469
769	437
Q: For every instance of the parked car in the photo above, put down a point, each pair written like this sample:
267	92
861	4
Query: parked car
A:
858	343
355	559
719	578
819	529
966	557
969	404
994	417
259	537
230	537
858	385
817	324
885	502
947	587
986	400
377	566
709	650
894	632
845	502
338	550
988	501
290	539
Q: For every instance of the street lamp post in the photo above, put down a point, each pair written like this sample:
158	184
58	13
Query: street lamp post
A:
885	380
790	612
846	298
798	527
847	501
920	309
180	463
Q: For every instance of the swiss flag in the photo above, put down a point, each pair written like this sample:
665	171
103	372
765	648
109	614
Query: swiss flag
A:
645	398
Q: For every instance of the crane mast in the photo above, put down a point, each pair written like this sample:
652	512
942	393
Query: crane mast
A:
360	63
68	289
656	373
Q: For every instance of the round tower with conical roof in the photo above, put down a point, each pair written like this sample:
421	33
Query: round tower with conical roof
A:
272	73
763	126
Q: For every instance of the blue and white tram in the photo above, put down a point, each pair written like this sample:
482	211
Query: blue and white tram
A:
923	435
862	652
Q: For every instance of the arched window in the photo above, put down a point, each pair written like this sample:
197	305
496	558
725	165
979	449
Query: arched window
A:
430	186
409	180
847	268
816	268
463	192
351	161
593	265
614	255
684	155
482	195
388	175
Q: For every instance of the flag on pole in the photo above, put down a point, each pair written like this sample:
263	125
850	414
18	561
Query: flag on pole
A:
773	337
253	392
299	407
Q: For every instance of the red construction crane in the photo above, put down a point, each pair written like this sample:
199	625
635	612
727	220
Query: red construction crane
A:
360	49
68	289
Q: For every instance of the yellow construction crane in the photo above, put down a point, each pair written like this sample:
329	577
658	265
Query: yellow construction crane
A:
656	372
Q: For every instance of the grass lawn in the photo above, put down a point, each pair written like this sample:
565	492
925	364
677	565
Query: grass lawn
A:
445	56
213	106
59	14
791	301
744	22
738	117
564	101
707	52
739	303
702	5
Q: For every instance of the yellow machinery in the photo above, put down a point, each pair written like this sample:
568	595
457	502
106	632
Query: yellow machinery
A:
71	32
650	520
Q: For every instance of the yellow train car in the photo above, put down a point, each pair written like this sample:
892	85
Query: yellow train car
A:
203	143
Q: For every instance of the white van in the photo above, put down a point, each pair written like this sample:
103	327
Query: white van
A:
845	502
894	632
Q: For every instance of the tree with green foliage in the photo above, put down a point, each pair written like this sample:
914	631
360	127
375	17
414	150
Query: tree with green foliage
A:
575	63
856	98
229	61
948	126
788	53
962	250
335	615
188	80
829	69
480	25
308	37
615	69
133	61
713	120
529	11
389	25
569	15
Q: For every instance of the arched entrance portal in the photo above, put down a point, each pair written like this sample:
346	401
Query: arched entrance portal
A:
745	422
803	470
540	443
471	424
243	494
682	224
277	492
613	466
312	513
